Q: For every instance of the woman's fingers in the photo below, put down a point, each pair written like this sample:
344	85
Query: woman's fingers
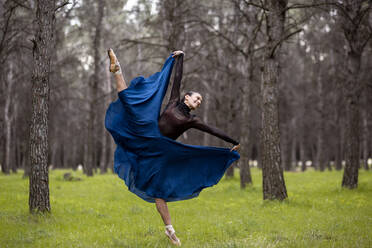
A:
235	148
177	53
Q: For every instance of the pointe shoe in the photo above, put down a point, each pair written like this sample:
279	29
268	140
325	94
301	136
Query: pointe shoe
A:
114	62
172	236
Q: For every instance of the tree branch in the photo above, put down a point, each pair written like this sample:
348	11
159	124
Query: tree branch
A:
225	38
6	27
22	5
283	39
335	4
61	6
303	6
367	40
249	3
143	42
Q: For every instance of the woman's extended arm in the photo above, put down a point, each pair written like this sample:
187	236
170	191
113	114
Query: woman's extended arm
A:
199	124
175	93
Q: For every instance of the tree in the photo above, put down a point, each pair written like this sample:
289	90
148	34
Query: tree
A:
354	17
7	39
272	171
43	43
92	158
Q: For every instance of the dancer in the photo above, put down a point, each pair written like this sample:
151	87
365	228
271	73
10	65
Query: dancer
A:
153	165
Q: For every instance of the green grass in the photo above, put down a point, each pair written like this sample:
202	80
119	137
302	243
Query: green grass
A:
101	212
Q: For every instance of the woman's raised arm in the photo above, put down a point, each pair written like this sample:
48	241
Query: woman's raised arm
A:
175	93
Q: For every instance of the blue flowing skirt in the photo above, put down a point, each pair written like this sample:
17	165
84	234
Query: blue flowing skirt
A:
152	165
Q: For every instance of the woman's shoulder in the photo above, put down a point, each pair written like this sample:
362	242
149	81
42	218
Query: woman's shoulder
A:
195	119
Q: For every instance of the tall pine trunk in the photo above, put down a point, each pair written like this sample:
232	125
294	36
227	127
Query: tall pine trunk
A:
320	147
365	133
91	156
272	171
245	170
352	145
43	42
8	123
352	148
357	33
105	135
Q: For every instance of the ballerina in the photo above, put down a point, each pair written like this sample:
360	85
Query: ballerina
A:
153	165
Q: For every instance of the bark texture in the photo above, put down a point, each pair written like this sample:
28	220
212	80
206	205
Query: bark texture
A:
7	124
357	34
272	171
245	173
245	170
92	142
39	179
321	145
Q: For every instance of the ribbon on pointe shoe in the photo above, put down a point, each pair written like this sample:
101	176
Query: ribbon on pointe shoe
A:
169	231
114	62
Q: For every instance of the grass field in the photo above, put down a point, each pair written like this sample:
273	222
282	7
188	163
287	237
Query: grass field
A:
101	212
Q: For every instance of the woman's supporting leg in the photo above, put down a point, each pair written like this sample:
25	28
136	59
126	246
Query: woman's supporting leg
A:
162	208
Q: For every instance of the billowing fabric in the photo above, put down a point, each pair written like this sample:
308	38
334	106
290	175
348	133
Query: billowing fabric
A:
152	165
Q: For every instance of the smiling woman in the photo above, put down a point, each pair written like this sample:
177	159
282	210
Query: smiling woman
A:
176	118
192	99
153	165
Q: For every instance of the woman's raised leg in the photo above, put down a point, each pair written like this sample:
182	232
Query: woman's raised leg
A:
116	69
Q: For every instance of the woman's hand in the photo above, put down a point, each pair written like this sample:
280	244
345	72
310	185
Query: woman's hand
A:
177	53
235	148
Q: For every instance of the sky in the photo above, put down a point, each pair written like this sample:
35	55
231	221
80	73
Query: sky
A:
130	3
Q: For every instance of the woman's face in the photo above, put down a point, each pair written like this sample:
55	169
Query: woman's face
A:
194	100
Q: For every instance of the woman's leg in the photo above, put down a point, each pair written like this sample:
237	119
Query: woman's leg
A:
162	208
116	69
120	82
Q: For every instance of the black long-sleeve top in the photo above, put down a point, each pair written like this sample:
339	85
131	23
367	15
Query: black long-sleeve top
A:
176	117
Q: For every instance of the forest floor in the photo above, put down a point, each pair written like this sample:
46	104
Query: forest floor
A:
100	212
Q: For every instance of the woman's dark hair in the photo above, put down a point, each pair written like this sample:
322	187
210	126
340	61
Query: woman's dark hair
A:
189	93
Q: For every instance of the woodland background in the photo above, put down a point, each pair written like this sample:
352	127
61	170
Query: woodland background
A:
224	42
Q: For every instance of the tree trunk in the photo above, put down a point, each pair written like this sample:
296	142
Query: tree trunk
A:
43	42
230	120
302	137
245	170
15	151
294	152
13	156
92	158
339	133
272	171
320	147
338	158
302	152
8	124
172	12
286	149
350	177
365	133
355	26
105	137
206	136
352	145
